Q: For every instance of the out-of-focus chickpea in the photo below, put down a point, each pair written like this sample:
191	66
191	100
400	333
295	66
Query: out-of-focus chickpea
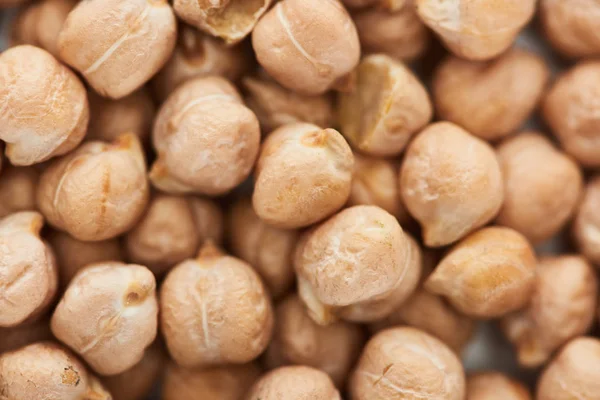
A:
586	227
20	336
495	386
23	29
11	3
18	186
297	382
490	99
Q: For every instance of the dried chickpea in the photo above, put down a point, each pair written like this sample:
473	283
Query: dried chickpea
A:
228	382
28	276
490	99
586	227
495	386
20	336
206	139
294	383
17	189
476	30
108	315
450	181
97	192
574	373
303	174
118	45
488	274
45	106
562	307
298	340
307	45
47	371
387	108
215	310
406	363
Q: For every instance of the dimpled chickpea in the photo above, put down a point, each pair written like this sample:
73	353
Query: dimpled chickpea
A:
488	274
28	276
20	336
215	310
118	45
387	108
108	315
45	110
294	383
574	373
47	371
476	30
307	45
17	189
303	174
406	363
586	227
450	181
206	139
562	307
542	186
495	386
98	191
570	109
490	99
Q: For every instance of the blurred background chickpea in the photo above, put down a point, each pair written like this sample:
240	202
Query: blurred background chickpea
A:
12	3
294	383
20	336
586	227
18	187
495	386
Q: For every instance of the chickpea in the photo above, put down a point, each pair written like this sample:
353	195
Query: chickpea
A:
387	108
298	340
24	26
28	277
574	373
47	106
118	45
406	363
303	174
570	110
307	45
495	386
297	382
586	227
490	99
478	30
206	139
20	336
450	181
108	315
215	310
47	371
11	3
562	307
17	190
488	274
98	191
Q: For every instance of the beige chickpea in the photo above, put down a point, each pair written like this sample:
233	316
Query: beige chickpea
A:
28	276
17	189
570	110
118	45
23	335
98	191
307	45
45	106
294	383
495	386
303	174
488	274
230	382
298	340
47	371
206	139
574	373
478	30
108	315
451	182
387	108
406	363
215	310
490	99
562	307
586	227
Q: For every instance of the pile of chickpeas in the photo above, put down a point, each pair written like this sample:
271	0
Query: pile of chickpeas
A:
297	199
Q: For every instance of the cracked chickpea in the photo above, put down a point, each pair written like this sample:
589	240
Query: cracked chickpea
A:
108	315
17	189
495	386
586	227
297	382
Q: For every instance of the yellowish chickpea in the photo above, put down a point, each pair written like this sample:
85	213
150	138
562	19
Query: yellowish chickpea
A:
108	315
495	386
307	45
215	310
20	336
586	227
98	191
478	30
118	45
574	373
490	99
488	274
387	108
303	174
48	106
17	189
206	139
406	363
297	382
451	182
